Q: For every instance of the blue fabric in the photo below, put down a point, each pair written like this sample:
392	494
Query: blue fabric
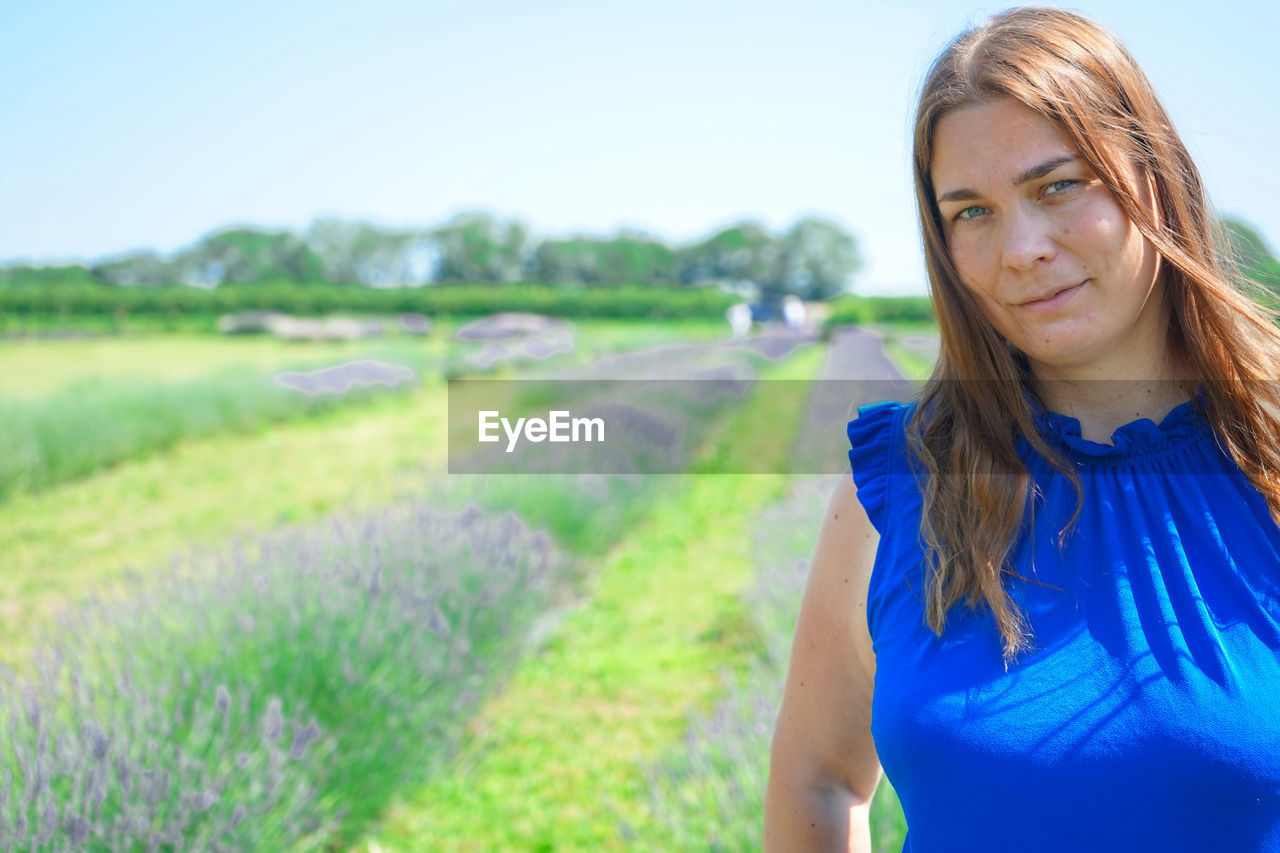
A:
1147	717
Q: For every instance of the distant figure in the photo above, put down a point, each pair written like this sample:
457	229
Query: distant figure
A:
793	312
739	319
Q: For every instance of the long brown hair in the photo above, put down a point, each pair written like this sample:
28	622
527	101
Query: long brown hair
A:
973	407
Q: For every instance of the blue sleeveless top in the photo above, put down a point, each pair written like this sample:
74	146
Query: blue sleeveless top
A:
1147	715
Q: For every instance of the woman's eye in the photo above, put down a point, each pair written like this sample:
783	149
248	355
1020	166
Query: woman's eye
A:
969	213
1058	186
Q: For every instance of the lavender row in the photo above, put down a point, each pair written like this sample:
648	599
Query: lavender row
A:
857	357
669	423
271	696
660	405
88	426
709	794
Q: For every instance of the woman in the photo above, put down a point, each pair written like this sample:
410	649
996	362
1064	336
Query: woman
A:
1048	599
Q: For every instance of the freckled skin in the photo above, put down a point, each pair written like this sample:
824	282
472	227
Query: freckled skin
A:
1011	242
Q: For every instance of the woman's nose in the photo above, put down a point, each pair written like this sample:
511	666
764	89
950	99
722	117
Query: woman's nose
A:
1026	240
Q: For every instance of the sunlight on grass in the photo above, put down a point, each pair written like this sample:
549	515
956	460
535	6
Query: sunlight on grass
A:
64	541
552	763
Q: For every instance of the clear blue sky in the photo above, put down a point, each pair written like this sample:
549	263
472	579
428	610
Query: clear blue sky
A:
134	125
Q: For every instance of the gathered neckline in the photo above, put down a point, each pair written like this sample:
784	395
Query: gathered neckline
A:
1185	423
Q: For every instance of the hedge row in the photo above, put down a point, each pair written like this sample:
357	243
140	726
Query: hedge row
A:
82	299
318	298
858	310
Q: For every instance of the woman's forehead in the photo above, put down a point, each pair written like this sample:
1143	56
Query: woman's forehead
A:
994	141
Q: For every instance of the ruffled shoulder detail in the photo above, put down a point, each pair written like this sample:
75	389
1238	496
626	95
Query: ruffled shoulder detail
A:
872	438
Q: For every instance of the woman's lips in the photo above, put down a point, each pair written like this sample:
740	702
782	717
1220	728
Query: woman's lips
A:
1052	303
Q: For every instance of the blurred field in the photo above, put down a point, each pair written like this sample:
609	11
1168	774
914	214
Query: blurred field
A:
59	542
62	542
34	367
118	525
662	616
106	407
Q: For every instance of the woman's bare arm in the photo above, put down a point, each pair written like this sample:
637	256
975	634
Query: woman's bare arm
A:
823	768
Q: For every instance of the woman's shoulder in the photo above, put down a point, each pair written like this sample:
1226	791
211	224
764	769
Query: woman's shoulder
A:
874	418
877	424
875	442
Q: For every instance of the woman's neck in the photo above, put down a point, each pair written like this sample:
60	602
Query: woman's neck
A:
1104	405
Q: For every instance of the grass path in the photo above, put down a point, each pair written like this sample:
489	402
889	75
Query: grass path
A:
71	538
552	764
33	368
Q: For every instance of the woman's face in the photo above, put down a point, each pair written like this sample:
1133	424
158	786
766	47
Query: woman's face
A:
1056	265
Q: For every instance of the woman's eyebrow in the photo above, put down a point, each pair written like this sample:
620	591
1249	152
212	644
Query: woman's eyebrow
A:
1043	169
1031	174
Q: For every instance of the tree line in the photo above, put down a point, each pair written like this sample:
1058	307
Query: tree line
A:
813	259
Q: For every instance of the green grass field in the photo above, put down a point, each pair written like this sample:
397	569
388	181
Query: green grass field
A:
61	542
553	763
643	640
35	367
